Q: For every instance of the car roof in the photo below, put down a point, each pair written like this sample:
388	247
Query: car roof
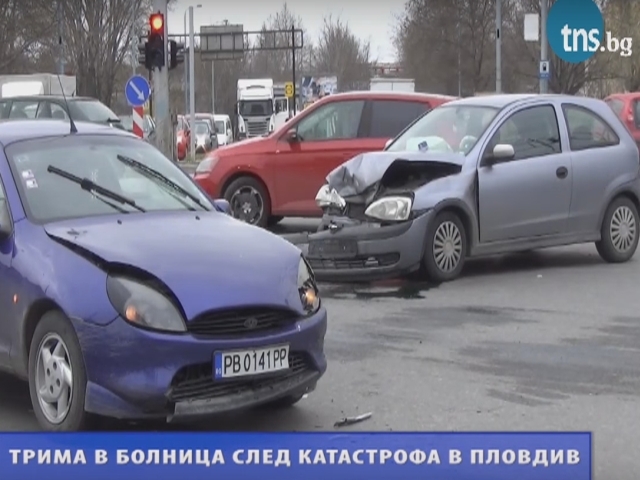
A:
624	96
381	95
501	101
17	130
59	98
220	117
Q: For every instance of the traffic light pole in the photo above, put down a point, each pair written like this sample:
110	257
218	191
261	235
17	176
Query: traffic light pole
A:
160	95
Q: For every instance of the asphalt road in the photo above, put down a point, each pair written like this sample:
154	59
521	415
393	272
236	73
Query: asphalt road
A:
542	341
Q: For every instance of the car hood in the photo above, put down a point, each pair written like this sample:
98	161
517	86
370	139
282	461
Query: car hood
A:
208	260
367	171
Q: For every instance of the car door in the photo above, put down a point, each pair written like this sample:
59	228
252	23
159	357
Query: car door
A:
326	138
6	292
598	160
528	195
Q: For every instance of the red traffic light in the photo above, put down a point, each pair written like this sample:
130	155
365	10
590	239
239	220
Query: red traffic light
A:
156	22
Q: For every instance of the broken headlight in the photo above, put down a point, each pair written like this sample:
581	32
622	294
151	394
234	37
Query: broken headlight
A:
327	197
390	209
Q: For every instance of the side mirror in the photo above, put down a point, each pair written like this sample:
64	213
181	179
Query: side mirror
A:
502	151
291	136
389	142
223	205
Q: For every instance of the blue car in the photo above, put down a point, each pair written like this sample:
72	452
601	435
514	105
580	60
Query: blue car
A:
126	292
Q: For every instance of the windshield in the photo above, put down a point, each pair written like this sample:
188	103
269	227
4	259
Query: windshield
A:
48	196
220	127
256	108
202	128
446	128
91	111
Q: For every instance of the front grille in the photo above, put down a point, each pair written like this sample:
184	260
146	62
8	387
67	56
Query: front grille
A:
256	129
361	261
196	382
241	321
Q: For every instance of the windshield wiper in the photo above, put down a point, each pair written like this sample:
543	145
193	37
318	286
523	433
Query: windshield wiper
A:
92	187
160	179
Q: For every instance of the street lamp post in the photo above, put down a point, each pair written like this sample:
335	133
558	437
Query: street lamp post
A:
186	60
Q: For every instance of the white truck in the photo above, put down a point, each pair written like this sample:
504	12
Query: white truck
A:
379	84
255	107
37	84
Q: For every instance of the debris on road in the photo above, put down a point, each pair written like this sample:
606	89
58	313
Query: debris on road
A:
352	420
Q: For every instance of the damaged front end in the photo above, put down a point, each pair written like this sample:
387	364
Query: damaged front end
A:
371	223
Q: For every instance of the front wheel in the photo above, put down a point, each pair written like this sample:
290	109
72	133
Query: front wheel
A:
57	375
619	231
249	201
446	248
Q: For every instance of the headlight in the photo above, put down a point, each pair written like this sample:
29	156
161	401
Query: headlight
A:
143	306
206	165
329	196
309	295
390	209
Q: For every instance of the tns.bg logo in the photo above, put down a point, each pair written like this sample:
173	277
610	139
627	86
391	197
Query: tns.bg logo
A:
575	30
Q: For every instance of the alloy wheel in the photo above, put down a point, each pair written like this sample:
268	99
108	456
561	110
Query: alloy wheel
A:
447	246
54	378
247	205
622	229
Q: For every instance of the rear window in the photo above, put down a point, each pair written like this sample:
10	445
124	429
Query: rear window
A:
390	117
91	111
616	105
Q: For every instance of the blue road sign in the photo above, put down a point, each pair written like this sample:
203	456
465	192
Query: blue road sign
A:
137	91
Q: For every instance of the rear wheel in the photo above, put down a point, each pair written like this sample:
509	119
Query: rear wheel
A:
57	375
619	231
446	248
249	201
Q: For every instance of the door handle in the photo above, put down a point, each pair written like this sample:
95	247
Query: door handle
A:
562	172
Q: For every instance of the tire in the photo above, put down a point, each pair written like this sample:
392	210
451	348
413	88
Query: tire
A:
274	220
54	328
620	219
255	190
449	225
285	402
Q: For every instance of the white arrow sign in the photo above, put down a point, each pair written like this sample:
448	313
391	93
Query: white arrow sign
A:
137	90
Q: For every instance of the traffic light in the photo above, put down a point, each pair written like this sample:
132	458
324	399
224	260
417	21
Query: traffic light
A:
154	51
176	54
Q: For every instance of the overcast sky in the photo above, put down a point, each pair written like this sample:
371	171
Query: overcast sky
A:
368	20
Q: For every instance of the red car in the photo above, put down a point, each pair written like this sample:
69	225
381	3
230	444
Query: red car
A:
183	137
268	178
627	107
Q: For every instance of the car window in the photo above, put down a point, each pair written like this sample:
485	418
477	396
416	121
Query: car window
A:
202	128
58	111
5	108
5	217
616	105
636	111
586	129
91	111
24	109
390	117
332	121
48	196
533	132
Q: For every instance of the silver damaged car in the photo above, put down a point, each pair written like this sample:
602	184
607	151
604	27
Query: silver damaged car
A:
482	176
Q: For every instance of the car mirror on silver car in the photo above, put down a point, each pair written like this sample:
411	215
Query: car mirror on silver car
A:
327	197
502	151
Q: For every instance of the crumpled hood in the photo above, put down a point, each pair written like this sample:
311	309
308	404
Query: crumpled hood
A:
208	260
364	171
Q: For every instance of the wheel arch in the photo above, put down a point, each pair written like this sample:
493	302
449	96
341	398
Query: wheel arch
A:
465	217
626	193
32	317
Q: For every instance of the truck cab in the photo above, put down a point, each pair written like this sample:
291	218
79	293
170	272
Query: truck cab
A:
255	108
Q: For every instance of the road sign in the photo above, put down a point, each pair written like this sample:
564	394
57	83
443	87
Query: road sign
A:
137	91
288	89
544	72
138	121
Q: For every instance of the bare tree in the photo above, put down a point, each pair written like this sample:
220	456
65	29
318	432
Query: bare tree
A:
338	51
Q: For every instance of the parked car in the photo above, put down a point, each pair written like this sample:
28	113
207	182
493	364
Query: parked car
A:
149	127
100	314
224	129
627	107
205	138
482	176
267	178
183	137
83	109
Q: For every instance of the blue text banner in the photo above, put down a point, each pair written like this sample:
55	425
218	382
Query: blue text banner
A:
296	456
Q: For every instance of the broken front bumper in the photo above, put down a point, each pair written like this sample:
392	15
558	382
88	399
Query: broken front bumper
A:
363	251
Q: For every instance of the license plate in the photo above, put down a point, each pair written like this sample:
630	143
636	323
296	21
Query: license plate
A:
333	248
240	363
